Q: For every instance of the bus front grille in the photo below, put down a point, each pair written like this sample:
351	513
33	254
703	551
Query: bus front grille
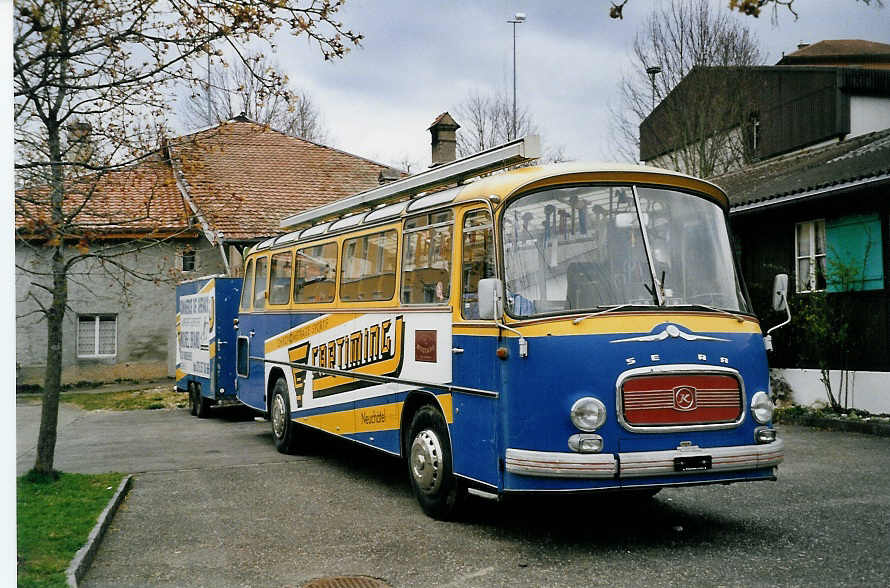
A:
680	399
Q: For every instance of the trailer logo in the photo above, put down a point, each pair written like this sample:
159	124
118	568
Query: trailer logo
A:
684	398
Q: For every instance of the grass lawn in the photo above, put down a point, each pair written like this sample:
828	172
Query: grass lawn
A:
54	520
152	398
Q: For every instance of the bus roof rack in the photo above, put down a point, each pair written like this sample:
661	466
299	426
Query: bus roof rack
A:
515	152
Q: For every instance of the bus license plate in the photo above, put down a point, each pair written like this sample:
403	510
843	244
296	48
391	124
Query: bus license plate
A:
692	463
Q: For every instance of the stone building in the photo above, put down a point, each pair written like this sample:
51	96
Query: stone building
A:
195	204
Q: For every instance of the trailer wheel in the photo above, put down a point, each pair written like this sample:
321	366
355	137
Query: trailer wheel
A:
284	430
193	403
202	404
429	465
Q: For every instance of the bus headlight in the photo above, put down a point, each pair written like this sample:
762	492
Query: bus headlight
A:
588	414
762	408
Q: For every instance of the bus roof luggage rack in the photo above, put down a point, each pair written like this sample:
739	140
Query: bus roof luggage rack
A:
515	152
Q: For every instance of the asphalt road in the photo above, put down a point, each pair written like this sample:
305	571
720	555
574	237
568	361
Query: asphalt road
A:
213	504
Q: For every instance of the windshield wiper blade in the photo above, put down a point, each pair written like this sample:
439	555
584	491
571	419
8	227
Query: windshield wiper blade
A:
608	310
737	317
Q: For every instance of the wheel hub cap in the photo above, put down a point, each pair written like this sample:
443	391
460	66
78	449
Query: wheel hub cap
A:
426	462
278	417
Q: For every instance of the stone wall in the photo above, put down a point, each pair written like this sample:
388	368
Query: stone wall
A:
145	312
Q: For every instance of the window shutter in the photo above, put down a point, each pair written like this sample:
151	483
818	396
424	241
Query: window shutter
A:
854	251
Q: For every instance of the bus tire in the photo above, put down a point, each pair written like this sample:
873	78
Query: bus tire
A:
284	430
202	404
429	465
193	403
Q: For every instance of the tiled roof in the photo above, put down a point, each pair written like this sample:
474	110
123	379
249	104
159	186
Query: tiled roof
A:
245	177
841	52
834	166
842	47
139	199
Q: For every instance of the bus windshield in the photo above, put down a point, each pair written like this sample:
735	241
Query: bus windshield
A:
592	247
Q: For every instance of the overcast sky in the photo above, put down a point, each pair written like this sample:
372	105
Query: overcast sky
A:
420	59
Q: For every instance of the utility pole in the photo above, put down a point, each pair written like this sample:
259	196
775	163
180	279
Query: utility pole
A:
518	18
653	70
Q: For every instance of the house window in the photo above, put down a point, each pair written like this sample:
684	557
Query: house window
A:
96	335
839	254
188	260
809	250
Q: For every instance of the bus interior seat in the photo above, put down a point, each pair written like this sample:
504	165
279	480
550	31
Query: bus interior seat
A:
589	286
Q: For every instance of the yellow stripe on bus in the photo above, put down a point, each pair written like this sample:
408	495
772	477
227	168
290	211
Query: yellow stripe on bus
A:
180	374
617	324
313	327
212	349
208	287
368	419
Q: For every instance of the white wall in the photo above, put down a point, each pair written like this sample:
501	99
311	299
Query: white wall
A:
868	114
868	390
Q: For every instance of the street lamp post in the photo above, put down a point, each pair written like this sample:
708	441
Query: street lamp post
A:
653	71
518	18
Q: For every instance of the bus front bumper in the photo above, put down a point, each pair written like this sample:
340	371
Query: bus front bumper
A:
641	464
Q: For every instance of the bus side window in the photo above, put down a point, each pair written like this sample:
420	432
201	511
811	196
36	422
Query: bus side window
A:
426	258
477	260
279	280
316	270
369	267
259	286
247	286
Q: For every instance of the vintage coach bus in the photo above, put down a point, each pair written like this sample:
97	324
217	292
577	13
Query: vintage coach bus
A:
560	328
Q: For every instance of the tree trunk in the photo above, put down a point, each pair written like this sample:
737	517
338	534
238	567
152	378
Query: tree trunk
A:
49	417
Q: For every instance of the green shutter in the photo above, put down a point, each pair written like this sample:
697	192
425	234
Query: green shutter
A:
854	250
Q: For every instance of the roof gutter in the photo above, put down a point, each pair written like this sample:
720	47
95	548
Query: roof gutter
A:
214	237
825	191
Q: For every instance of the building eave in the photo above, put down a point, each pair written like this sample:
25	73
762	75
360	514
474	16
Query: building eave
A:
821	192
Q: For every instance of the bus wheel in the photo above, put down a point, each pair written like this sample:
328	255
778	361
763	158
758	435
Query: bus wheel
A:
193	404
284	430
202	404
429	465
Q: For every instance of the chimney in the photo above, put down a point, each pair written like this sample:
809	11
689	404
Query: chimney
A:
444	139
79	143
802	45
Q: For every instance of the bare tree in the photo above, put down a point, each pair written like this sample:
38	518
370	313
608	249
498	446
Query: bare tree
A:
243	88
487	120
106	67
699	125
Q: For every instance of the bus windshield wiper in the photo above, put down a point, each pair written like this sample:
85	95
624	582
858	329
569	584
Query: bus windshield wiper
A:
608	310
737	317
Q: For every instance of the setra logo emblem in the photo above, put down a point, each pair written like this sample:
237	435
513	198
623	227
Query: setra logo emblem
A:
684	398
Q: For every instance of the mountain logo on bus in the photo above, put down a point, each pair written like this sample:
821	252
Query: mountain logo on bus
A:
684	398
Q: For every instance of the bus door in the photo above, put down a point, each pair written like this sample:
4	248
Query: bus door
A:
250	374
474	363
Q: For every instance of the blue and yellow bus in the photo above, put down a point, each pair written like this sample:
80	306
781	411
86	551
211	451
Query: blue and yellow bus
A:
562	328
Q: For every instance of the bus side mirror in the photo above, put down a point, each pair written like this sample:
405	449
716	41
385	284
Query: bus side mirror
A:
491	305
780	292
780	303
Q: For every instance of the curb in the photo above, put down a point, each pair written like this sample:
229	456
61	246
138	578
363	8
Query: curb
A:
84	556
848	426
